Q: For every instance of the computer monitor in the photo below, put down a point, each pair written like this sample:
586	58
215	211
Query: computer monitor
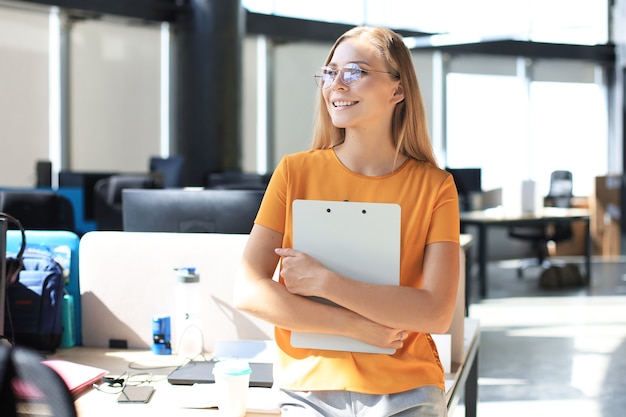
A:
190	211
468	181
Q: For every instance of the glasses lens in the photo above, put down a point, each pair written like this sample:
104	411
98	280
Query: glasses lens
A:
324	77
328	76
351	74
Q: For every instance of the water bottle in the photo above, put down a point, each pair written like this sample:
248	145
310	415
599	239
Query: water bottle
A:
187	323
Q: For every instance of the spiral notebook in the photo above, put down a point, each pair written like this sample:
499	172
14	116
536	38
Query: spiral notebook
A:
358	240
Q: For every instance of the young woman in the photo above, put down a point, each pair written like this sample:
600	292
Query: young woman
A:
370	144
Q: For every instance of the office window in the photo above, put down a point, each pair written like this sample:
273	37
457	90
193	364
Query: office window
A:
486	127
558	21
517	133
568	131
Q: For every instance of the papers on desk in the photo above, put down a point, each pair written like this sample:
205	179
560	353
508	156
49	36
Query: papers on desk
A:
259	400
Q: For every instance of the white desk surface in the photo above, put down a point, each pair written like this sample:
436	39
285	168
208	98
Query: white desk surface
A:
500	214
170	400
465	240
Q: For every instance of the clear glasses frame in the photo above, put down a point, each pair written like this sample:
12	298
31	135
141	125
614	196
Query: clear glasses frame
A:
351	74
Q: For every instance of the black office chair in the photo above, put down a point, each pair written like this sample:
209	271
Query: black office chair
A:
38	209
169	169
236	180
559	195
108	197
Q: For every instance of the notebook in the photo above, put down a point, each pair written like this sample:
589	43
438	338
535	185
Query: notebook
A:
358	240
78	378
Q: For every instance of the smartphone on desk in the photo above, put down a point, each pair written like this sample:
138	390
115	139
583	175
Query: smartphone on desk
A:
136	394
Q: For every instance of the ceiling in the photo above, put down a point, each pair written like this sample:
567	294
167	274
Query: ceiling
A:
568	29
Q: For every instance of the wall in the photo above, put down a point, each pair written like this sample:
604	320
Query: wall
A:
114	96
23	95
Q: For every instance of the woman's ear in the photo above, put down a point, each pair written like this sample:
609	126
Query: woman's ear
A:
398	95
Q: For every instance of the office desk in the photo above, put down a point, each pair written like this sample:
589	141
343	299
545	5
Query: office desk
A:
169	400
484	219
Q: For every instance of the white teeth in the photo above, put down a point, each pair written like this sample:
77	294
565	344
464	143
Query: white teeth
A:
343	103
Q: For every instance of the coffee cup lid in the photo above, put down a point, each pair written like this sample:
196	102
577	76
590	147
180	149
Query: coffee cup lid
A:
232	367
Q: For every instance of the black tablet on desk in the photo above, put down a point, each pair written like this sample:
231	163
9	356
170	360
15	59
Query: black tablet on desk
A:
201	372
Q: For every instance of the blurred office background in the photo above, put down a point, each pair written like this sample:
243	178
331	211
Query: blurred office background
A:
518	88
516	116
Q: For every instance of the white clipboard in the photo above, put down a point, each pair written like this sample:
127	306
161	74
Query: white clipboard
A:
358	240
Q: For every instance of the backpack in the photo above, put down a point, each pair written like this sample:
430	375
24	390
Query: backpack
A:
34	303
566	276
28	385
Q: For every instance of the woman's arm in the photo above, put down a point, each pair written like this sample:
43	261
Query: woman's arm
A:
428	309
261	296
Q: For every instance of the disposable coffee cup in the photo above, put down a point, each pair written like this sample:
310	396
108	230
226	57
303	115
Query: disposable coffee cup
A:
232	378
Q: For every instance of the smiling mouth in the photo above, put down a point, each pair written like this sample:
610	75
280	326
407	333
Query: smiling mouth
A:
343	103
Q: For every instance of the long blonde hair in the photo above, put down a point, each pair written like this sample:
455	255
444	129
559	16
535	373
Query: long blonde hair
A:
409	127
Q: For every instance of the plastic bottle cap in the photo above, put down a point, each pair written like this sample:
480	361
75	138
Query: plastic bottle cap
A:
187	275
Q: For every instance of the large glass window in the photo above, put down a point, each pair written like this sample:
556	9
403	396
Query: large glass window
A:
487	127
568	131
559	21
516	133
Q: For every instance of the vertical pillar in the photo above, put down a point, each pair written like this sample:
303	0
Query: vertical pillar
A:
60	27
206	87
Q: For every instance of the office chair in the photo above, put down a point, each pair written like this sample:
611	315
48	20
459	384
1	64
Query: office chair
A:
169	169
235	180
559	195
30	387
39	209
108	197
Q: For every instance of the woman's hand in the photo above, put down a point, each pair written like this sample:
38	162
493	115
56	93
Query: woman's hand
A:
304	275
379	335
301	273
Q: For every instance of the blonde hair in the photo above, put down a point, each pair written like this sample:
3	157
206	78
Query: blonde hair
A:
409	127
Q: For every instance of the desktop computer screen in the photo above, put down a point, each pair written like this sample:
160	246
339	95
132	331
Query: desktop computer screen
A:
190	211
468	181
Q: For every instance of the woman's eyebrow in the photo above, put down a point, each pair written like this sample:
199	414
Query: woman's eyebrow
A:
334	64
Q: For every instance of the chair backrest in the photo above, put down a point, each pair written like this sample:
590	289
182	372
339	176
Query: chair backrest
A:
169	169
561	189
28	387
237	180
108	197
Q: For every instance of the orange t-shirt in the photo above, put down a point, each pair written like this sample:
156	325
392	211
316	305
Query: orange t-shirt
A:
429	213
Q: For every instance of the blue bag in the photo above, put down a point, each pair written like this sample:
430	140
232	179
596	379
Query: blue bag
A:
34	303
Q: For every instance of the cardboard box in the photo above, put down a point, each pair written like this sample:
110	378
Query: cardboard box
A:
576	245
605	206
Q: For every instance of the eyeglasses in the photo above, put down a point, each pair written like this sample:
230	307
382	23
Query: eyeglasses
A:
350	75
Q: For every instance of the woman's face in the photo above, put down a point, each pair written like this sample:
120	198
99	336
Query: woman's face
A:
368	102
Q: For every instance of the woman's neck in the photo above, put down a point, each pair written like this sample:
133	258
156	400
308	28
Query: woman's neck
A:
369	156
